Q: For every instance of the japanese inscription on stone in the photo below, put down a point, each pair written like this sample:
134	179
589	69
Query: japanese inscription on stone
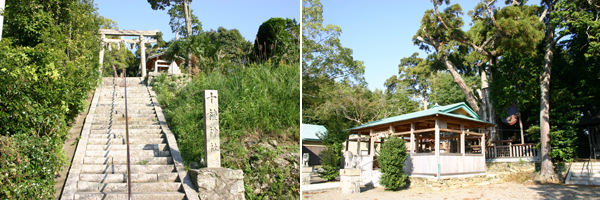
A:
212	154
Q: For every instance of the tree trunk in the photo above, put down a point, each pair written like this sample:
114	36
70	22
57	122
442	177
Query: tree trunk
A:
188	24
461	83
521	126
546	168
115	74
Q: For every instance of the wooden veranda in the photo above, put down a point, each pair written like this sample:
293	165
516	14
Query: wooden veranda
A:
442	141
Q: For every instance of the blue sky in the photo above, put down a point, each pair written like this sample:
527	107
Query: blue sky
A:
380	32
244	15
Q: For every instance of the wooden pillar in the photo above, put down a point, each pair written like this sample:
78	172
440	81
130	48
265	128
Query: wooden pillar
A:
437	146
462	140
358	144
347	143
143	55
156	65
412	137
101	56
483	144
371	144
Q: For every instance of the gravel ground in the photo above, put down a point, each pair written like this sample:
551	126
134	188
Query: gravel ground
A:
505	190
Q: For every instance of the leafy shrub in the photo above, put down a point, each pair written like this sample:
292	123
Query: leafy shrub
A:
391	159
48	66
257	104
330	162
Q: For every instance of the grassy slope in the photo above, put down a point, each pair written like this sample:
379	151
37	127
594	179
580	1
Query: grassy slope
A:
260	123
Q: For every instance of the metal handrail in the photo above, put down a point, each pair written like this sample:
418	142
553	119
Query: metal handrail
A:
127	135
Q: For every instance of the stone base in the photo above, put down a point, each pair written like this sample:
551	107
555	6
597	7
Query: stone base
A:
350	181
219	183
306	171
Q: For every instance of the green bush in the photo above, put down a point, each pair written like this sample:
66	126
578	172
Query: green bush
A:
257	105
48	66
391	159
330	162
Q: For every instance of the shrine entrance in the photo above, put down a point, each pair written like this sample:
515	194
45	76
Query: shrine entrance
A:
141	42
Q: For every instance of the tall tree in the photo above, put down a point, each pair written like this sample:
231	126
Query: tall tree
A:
433	36
232	43
494	29
162	4
414	75
561	17
324	59
277	39
178	27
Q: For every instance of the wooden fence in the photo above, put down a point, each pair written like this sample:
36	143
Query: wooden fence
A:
511	151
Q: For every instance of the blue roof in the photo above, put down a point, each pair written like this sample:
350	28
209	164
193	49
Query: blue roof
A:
309	132
440	110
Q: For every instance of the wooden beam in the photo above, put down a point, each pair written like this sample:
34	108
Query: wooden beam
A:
473	133
128	32
416	131
116	41
450	130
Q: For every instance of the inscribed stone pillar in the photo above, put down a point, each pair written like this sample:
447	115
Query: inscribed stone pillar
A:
212	154
143	55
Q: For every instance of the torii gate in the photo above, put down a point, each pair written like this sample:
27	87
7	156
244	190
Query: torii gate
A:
122	33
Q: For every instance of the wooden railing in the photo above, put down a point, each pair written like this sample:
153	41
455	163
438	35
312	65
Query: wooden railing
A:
511	151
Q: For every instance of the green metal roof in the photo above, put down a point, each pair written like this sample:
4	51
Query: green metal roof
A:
309	132
441	110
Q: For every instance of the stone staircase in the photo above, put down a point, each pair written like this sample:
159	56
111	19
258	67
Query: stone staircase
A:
99	168
584	173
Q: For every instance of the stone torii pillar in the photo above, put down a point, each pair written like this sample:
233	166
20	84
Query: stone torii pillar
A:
102	55
143	55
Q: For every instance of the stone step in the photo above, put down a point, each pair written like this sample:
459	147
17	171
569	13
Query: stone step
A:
131	135
121	102
585	171
132	153
130	115
123	131
122	98
114	91
123	122
121	94
85	186
102	127
121	117
585	174
122	111
158	147
108	141
579	165
136	195
123	160
130	109
584	182
122	169
129	104
585	178
135	178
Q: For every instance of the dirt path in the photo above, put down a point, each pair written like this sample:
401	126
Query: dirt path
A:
70	145
506	190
